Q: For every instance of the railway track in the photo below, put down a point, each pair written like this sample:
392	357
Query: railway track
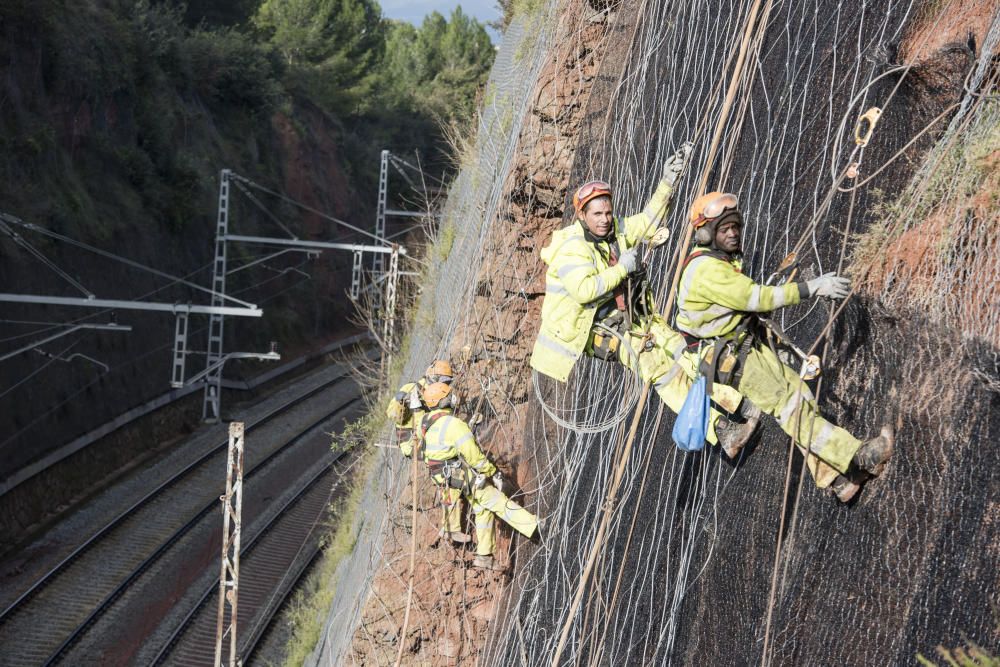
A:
271	564
48	618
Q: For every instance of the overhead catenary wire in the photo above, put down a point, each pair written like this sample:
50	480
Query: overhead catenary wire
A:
305	207
122	260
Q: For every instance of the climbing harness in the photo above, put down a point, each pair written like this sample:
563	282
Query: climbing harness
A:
451	470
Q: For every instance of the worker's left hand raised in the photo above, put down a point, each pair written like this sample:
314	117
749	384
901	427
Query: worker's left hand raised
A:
659	237
674	166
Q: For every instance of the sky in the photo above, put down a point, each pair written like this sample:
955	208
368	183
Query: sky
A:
415	10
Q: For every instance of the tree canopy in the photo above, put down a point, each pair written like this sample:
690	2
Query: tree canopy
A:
439	67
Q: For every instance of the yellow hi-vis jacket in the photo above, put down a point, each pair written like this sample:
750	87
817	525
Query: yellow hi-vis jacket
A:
579	280
448	437
713	295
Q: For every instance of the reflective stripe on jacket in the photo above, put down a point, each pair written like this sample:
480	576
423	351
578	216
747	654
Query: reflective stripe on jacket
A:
713	295
579	280
449	437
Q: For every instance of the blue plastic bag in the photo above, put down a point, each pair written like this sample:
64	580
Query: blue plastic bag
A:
691	426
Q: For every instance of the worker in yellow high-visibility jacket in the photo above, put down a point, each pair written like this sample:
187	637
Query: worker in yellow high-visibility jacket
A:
405	410
716	303
589	263
455	460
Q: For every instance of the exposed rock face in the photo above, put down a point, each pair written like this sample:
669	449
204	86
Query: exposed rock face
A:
454	605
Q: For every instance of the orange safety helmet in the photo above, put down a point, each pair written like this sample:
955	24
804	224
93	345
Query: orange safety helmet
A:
588	191
437	395
439	368
707	210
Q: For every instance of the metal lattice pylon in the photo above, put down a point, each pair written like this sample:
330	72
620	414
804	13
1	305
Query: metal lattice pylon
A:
229	577
213	381
356	276
389	321
378	261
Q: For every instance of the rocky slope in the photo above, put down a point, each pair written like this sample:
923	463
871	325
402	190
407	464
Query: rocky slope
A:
692	569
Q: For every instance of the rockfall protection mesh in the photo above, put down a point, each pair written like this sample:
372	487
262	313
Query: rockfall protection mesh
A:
471	204
684	573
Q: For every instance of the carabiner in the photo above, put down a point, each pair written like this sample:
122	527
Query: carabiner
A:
872	116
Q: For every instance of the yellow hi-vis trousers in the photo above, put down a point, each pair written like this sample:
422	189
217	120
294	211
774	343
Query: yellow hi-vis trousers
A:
488	503
451	503
656	364
777	390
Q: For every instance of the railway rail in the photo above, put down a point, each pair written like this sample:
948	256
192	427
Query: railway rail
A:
271	564
49	617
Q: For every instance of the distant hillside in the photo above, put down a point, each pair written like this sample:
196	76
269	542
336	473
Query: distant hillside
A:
116	117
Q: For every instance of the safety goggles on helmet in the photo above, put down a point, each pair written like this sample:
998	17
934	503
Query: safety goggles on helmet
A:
715	207
588	191
439	378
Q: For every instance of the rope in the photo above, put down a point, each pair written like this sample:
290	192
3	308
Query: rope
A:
413	551
834	313
627	449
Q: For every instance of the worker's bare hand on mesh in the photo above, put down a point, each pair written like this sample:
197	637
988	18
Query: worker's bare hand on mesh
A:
831	285
659	237
674	166
629	259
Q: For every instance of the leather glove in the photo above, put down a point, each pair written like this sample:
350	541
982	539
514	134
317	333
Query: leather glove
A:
479	481
831	285
629	259
659	237
674	166
498	480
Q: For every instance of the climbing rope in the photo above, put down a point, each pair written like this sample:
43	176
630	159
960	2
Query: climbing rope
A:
598	545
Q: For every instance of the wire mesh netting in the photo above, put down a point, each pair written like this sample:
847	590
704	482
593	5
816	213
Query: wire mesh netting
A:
471	204
687	570
683	574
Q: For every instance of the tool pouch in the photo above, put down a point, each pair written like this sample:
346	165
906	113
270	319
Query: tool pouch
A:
724	360
603	343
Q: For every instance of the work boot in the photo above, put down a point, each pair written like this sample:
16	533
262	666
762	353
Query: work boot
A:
734	435
872	456
846	487
487	563
455	536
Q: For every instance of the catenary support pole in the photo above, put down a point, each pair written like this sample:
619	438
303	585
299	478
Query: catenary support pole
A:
211	403
229	576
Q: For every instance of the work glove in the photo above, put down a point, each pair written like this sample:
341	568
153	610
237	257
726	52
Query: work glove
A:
831	285
498	480
474	423
629	259
674	166
479	481
414	401
659	237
